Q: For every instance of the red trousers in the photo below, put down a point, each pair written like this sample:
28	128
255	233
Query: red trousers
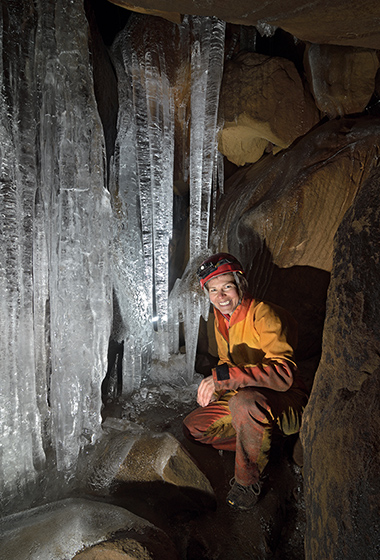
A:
244	421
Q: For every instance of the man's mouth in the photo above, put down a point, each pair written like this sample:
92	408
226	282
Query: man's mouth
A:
225	303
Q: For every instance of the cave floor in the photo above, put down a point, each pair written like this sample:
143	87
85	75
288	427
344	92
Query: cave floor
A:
274	529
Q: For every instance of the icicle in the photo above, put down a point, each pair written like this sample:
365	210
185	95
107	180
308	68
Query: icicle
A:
207	71
147	139
217	182
131	276
160	121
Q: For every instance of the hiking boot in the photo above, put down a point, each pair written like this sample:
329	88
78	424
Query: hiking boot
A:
243	497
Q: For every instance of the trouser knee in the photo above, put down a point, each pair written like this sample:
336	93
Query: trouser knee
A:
250	404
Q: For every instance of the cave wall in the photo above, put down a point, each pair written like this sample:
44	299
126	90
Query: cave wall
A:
344	22
293	217
296	217
341	423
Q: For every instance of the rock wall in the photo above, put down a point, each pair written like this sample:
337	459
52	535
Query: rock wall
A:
344	22
306	206
283	217
264	107
341	423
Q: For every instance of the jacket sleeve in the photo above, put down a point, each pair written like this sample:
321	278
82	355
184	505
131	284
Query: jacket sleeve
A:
275	369
275	374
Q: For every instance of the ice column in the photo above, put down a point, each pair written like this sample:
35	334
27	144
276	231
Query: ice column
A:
206	74
142	184
132	276
143	196
55	275
77	217
21	440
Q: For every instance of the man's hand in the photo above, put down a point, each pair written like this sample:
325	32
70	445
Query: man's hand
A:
206	391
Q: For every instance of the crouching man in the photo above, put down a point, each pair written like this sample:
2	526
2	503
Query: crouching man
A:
254	390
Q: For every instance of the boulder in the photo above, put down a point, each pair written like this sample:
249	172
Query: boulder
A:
341	424
59	530
286	209
146	471
128	549
264	106
342	79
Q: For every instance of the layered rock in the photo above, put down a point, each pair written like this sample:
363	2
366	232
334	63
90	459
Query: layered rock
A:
343	22
264	107
287	208
341	423
342	79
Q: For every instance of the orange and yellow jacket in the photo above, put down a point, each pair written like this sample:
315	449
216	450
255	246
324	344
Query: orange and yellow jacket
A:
255	347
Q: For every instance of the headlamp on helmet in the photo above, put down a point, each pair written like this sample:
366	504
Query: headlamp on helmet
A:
221	263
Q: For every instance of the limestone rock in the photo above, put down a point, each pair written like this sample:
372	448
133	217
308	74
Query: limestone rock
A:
262	102
172	16
239	143
343	22
342	79
150	466
287	208
59	530
341	425
127	550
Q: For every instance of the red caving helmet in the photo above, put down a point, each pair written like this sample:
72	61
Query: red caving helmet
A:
221	263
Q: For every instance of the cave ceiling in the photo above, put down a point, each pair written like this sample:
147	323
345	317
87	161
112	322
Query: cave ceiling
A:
342	22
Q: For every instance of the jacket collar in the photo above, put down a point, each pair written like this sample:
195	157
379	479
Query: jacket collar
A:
224	323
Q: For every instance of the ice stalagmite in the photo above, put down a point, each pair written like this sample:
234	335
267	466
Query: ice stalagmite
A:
143	176
142	191
55	274
206	74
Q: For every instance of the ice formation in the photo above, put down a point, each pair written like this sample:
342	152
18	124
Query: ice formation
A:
143	173
55	270
69	247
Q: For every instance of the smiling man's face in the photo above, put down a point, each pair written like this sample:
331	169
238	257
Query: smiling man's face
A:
223	293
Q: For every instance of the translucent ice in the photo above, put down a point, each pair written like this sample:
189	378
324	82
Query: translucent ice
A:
206	74
143	176
69	248
55	274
